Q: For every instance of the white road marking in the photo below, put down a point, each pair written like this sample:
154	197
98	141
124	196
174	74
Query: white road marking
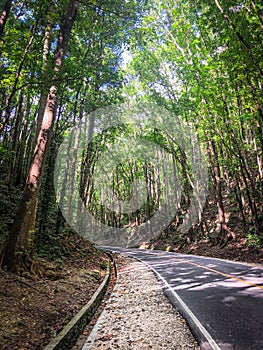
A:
206	334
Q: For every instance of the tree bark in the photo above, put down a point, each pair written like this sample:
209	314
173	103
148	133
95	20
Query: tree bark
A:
7	111
225	234
21	234
46	50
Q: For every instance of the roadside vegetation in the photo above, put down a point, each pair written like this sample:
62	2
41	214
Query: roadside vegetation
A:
201	61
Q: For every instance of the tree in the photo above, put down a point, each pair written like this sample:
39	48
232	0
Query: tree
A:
205	66
21	235
84	77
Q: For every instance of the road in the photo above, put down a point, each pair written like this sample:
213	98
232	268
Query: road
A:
222	301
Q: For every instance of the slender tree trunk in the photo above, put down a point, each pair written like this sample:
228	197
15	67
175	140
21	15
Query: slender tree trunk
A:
239	200
19	170
240	37
118	211
225	234
148	196
46	50
22	232
7	111
72	168
257	12
11	174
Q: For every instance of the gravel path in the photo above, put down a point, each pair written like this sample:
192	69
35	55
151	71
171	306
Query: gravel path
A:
138	316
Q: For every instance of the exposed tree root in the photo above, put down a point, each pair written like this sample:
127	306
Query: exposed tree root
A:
36	269
225	235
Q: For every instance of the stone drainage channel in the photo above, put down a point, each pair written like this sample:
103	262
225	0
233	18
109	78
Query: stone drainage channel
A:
66	339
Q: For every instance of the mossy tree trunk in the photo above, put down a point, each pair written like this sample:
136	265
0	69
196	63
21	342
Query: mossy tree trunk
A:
21	234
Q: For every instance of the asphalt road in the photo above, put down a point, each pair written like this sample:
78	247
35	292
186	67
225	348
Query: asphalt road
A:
222	301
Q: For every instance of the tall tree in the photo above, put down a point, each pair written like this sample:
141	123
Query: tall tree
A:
205	66
22	232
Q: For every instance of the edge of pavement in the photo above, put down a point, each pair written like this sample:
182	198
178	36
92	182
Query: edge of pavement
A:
71	332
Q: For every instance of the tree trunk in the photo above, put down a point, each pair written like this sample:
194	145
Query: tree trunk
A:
7	111
240	37
19	169
225	234
21	235
46	51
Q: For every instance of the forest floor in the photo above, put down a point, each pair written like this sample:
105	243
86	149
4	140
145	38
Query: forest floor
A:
236	250
34	310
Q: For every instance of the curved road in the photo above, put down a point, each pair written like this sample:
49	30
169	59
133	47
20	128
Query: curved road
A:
222	301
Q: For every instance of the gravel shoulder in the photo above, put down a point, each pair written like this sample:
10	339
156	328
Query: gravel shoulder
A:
138	315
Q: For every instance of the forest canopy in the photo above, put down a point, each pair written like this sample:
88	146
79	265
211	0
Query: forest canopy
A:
199	62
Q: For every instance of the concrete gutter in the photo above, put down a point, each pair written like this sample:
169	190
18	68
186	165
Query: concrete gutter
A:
70	333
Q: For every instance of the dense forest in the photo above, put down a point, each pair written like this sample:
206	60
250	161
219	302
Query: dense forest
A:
197	65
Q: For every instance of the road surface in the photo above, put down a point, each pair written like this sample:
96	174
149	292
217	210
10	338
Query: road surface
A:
222	301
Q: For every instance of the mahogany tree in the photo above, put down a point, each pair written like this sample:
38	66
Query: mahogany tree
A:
21	234
204	65
56	75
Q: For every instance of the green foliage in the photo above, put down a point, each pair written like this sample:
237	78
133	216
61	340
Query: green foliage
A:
91	78
186	57
104	265
204	68
9	200
254	241
6	156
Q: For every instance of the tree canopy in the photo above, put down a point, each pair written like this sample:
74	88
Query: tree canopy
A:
198	61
